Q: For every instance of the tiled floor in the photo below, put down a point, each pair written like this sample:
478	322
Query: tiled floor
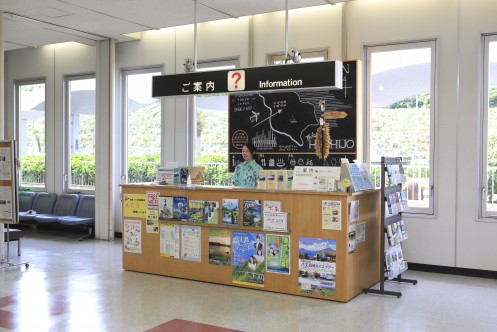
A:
81	286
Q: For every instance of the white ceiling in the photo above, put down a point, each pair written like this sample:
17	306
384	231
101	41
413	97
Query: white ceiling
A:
32	23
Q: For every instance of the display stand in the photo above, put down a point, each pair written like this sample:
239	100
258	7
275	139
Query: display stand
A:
174	249
395	203
8	194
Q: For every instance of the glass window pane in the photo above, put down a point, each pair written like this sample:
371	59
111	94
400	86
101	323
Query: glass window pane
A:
211	139
81	103
492	129
400	115
143	130
31	107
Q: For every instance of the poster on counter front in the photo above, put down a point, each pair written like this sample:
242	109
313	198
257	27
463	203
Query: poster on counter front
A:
247	259
169	240
219	247
190	243
132	236
331	216
135	205
278	253
317	266
152	221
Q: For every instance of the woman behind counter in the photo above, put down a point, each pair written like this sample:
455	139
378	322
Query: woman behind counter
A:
247	173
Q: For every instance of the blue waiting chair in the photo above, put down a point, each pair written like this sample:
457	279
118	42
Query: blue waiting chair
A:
43	203
26	200
85	214
65	205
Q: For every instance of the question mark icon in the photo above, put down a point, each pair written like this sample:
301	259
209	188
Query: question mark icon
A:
239	76
236	80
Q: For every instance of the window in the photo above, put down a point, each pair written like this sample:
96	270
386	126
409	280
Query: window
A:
307	56
30	108
141	126
489	129
211	139
400	104
79	97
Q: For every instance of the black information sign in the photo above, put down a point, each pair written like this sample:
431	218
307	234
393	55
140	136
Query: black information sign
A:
294	77
282	126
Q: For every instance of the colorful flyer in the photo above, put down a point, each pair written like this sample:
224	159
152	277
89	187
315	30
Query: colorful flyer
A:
132	236
278	253
169	240
153	200
135	205
331	215
152	221
317	266
219	247
252	213
230	211
248	258
190	243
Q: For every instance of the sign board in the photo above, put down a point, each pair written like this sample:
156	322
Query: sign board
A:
282	125
8	183
302	76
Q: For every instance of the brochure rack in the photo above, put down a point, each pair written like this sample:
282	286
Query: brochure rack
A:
395	203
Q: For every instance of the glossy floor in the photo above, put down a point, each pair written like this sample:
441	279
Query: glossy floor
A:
81	286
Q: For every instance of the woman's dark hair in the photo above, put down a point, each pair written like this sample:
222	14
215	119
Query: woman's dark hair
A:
250	147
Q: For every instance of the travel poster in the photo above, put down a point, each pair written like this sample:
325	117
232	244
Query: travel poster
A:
169	240
317	266
219	247
331	215
247	259
252	213
190	243
230	211
132	236
278	253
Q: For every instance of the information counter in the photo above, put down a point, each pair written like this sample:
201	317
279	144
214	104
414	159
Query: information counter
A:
328	251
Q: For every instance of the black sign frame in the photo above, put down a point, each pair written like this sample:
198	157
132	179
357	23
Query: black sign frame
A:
288	77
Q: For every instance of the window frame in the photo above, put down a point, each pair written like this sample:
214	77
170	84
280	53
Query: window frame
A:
17	127
67	134
405	45
483	212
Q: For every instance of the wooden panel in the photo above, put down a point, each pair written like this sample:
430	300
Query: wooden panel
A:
355	271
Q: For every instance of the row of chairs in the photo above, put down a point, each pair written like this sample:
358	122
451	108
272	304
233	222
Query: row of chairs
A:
50	208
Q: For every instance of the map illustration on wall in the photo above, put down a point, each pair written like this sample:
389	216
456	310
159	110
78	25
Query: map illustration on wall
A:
282	126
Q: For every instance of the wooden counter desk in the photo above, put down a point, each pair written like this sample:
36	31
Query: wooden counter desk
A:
354	270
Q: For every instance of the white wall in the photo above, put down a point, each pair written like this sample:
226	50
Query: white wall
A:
452	237
50	63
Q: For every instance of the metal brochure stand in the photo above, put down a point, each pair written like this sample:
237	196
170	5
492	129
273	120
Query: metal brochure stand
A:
9	205
393	168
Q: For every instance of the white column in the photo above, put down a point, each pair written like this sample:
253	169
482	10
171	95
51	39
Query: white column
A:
2	104
105	186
